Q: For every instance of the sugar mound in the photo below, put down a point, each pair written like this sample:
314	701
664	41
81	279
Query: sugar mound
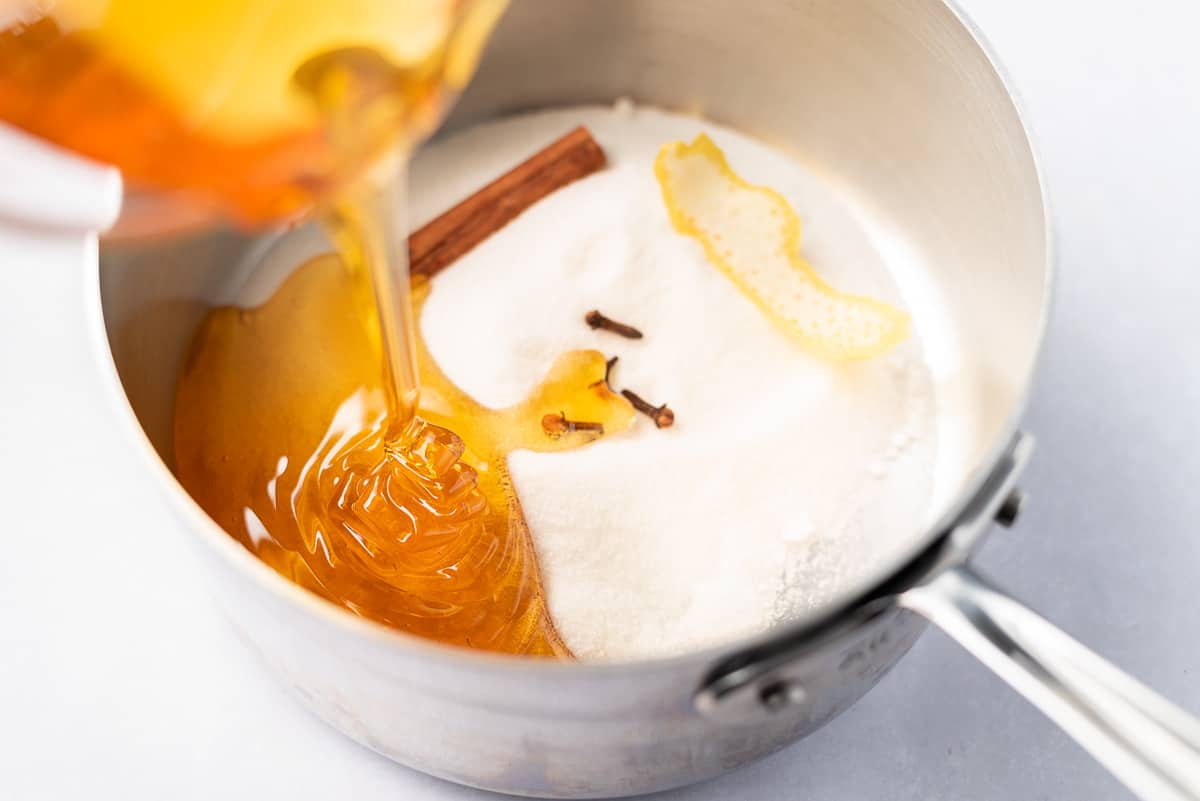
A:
784	477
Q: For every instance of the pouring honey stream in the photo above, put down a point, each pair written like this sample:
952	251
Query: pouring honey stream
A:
316	429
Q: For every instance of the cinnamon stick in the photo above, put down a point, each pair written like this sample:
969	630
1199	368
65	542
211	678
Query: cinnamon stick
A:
441	242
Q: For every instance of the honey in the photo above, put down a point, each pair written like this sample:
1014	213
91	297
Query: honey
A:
281	435
301	426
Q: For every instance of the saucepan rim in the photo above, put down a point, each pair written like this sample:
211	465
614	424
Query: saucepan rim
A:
254	570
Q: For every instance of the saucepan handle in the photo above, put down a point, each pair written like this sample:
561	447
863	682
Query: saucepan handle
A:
1148	743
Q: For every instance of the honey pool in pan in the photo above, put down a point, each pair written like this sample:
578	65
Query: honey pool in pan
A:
280	436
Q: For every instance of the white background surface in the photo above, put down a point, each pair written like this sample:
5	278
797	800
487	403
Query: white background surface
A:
119	680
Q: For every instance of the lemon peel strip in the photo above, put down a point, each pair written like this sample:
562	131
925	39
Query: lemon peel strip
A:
752	235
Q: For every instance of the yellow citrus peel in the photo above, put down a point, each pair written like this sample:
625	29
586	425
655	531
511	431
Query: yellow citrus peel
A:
752	234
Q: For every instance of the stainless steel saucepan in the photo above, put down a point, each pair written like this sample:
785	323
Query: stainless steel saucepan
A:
899	106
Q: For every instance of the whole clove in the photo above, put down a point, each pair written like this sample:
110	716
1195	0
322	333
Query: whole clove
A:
596	320
555	425
608	368
662	416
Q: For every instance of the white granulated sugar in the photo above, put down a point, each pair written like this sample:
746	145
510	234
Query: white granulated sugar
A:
784	476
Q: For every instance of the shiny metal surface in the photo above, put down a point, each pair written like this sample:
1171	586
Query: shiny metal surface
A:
1147	742
896	105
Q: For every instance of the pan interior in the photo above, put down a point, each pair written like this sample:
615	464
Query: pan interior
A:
893	105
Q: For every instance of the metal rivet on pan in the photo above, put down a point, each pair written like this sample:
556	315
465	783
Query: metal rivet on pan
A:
1010	510
781	694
